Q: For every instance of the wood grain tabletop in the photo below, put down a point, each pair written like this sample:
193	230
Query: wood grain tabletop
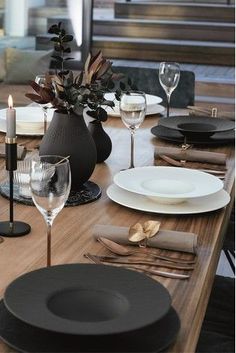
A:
72	230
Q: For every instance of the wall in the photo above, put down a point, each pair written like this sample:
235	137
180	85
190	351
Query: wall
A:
104	3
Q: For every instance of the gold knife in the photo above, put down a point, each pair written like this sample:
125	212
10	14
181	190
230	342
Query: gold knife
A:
118	260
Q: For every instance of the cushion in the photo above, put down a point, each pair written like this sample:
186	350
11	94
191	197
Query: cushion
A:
2	65
24	65
146	79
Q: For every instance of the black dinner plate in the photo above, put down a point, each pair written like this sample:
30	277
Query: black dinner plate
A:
197	127
28	339
86	299
219	138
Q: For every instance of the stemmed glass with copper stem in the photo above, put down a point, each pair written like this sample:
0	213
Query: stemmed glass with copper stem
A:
50	181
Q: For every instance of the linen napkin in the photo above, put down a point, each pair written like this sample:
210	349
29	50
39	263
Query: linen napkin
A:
165	239
191	155
200	111
21	151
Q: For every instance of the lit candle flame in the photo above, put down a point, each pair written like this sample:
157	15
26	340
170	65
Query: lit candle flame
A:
10	101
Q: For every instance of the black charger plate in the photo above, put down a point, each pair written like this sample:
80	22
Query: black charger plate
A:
219	138
86	299
197	127
28	339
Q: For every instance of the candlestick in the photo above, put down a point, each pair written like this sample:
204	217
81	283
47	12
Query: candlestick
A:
12	228
11	119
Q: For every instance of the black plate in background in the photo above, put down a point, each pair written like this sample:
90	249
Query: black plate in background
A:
28	339
86	299
172	135
200	124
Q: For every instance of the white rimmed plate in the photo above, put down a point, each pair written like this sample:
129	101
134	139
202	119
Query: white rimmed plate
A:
29	120
191	206
153	106
168	184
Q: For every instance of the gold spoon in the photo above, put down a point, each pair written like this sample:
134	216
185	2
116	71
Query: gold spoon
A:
123	251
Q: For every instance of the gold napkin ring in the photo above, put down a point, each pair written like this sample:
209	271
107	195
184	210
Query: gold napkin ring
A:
139	233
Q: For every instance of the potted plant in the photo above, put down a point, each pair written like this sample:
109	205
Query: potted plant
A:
70	95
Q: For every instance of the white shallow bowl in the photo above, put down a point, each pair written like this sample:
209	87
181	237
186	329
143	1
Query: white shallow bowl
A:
153	106
190	206
168	185
29	120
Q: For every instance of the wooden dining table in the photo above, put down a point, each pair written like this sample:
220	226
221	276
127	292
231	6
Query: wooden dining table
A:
72	229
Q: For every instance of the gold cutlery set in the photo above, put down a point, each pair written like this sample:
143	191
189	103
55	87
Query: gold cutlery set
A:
137	259
219	173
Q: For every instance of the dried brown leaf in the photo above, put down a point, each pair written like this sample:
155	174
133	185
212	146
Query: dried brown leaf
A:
136	233
36	98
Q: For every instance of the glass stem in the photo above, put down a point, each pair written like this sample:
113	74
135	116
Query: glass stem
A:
132	148
49	228
44	120
168	106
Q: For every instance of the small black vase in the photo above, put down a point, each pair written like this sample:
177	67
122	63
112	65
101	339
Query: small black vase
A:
68	135
102	140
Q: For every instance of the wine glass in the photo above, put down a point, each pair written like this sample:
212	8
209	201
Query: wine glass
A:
50	182
169	74
41	81
132	111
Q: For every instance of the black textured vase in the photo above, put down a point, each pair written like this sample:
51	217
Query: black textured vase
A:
102	140
68	135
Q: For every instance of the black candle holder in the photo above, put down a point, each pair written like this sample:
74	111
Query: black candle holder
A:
12	228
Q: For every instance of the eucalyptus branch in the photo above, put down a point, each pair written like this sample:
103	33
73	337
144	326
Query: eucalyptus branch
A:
66	92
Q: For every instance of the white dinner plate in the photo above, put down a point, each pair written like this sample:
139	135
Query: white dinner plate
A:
29	120
168	184
153	106
191	206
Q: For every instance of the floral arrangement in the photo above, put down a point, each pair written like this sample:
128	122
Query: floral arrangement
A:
66	92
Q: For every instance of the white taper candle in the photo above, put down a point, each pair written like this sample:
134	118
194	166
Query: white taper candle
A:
11	119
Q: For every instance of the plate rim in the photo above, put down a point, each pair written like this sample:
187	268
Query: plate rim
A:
20	129
98	328
147	94
116	114
148	112
180	139
171	315
173	209
38	109
171	123
168	168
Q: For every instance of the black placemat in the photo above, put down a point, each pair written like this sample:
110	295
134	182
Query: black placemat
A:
28	339
89	192
175	136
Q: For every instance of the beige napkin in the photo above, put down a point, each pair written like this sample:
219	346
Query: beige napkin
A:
200	111
21	151
191	155
165	239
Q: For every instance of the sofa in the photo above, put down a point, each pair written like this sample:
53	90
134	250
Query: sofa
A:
17	67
